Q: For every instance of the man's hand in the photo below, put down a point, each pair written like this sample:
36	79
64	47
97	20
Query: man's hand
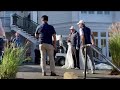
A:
36	35
77	48
55	47
81	46
92	35
93	43
54	42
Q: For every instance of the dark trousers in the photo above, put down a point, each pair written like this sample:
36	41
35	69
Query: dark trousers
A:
90	57
1	47
37	56
75	54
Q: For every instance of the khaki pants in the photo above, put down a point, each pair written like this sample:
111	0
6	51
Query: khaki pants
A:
49	49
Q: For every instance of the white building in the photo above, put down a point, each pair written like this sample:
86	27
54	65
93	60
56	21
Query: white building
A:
98	21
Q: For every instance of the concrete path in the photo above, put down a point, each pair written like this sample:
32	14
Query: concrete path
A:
34	72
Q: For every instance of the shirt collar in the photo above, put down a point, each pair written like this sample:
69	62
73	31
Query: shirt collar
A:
74	32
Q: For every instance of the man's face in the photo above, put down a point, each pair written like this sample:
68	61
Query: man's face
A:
42	20
72	30
80	25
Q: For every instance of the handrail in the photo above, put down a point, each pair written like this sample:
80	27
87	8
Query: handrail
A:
25	18
108	60
93	47
24	23
100	50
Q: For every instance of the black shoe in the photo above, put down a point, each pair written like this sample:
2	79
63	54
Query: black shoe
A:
53	74
43	73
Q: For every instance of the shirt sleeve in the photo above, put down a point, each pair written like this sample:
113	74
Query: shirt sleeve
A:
38	29
54	32
81	32
77	40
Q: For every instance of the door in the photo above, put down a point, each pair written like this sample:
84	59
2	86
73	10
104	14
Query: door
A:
95	54
103	46
101	40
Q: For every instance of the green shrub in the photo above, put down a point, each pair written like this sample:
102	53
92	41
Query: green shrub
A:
13	57
114	43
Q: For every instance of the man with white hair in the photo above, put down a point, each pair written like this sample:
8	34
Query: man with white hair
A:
2	37
87	38
75	41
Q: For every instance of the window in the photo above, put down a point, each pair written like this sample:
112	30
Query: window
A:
103	34
109	54
91	12
109	34
84	12
5	21
107	12
103	42
7	13
96	42
99	12
95	34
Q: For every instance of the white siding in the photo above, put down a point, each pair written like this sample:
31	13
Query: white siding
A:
116	16
96	17
56	17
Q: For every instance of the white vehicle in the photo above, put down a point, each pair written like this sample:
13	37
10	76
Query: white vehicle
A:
60	59
61	52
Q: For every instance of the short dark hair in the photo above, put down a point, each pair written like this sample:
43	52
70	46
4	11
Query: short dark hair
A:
45	17
69	41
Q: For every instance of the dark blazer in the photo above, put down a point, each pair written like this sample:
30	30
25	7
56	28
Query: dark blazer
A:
75	39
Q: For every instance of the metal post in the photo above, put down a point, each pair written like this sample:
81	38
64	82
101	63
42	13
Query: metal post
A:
85	62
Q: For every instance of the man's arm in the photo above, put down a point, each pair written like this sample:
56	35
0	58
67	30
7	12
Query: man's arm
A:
77	41
92	36
54	37
36	32
82	37
54	42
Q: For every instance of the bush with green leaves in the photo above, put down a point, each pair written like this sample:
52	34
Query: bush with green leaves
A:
114	43
13	57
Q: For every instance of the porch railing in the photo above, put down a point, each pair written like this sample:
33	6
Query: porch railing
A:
24	23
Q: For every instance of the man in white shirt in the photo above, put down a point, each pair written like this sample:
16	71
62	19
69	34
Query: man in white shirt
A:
87	38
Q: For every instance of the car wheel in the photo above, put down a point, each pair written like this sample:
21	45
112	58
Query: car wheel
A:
62	62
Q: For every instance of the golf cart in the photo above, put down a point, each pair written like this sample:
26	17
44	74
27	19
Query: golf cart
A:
61	51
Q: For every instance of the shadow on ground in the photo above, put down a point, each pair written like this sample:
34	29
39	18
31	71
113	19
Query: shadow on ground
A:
29	69
99	77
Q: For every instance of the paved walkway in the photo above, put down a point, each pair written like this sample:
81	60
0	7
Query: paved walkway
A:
34	72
